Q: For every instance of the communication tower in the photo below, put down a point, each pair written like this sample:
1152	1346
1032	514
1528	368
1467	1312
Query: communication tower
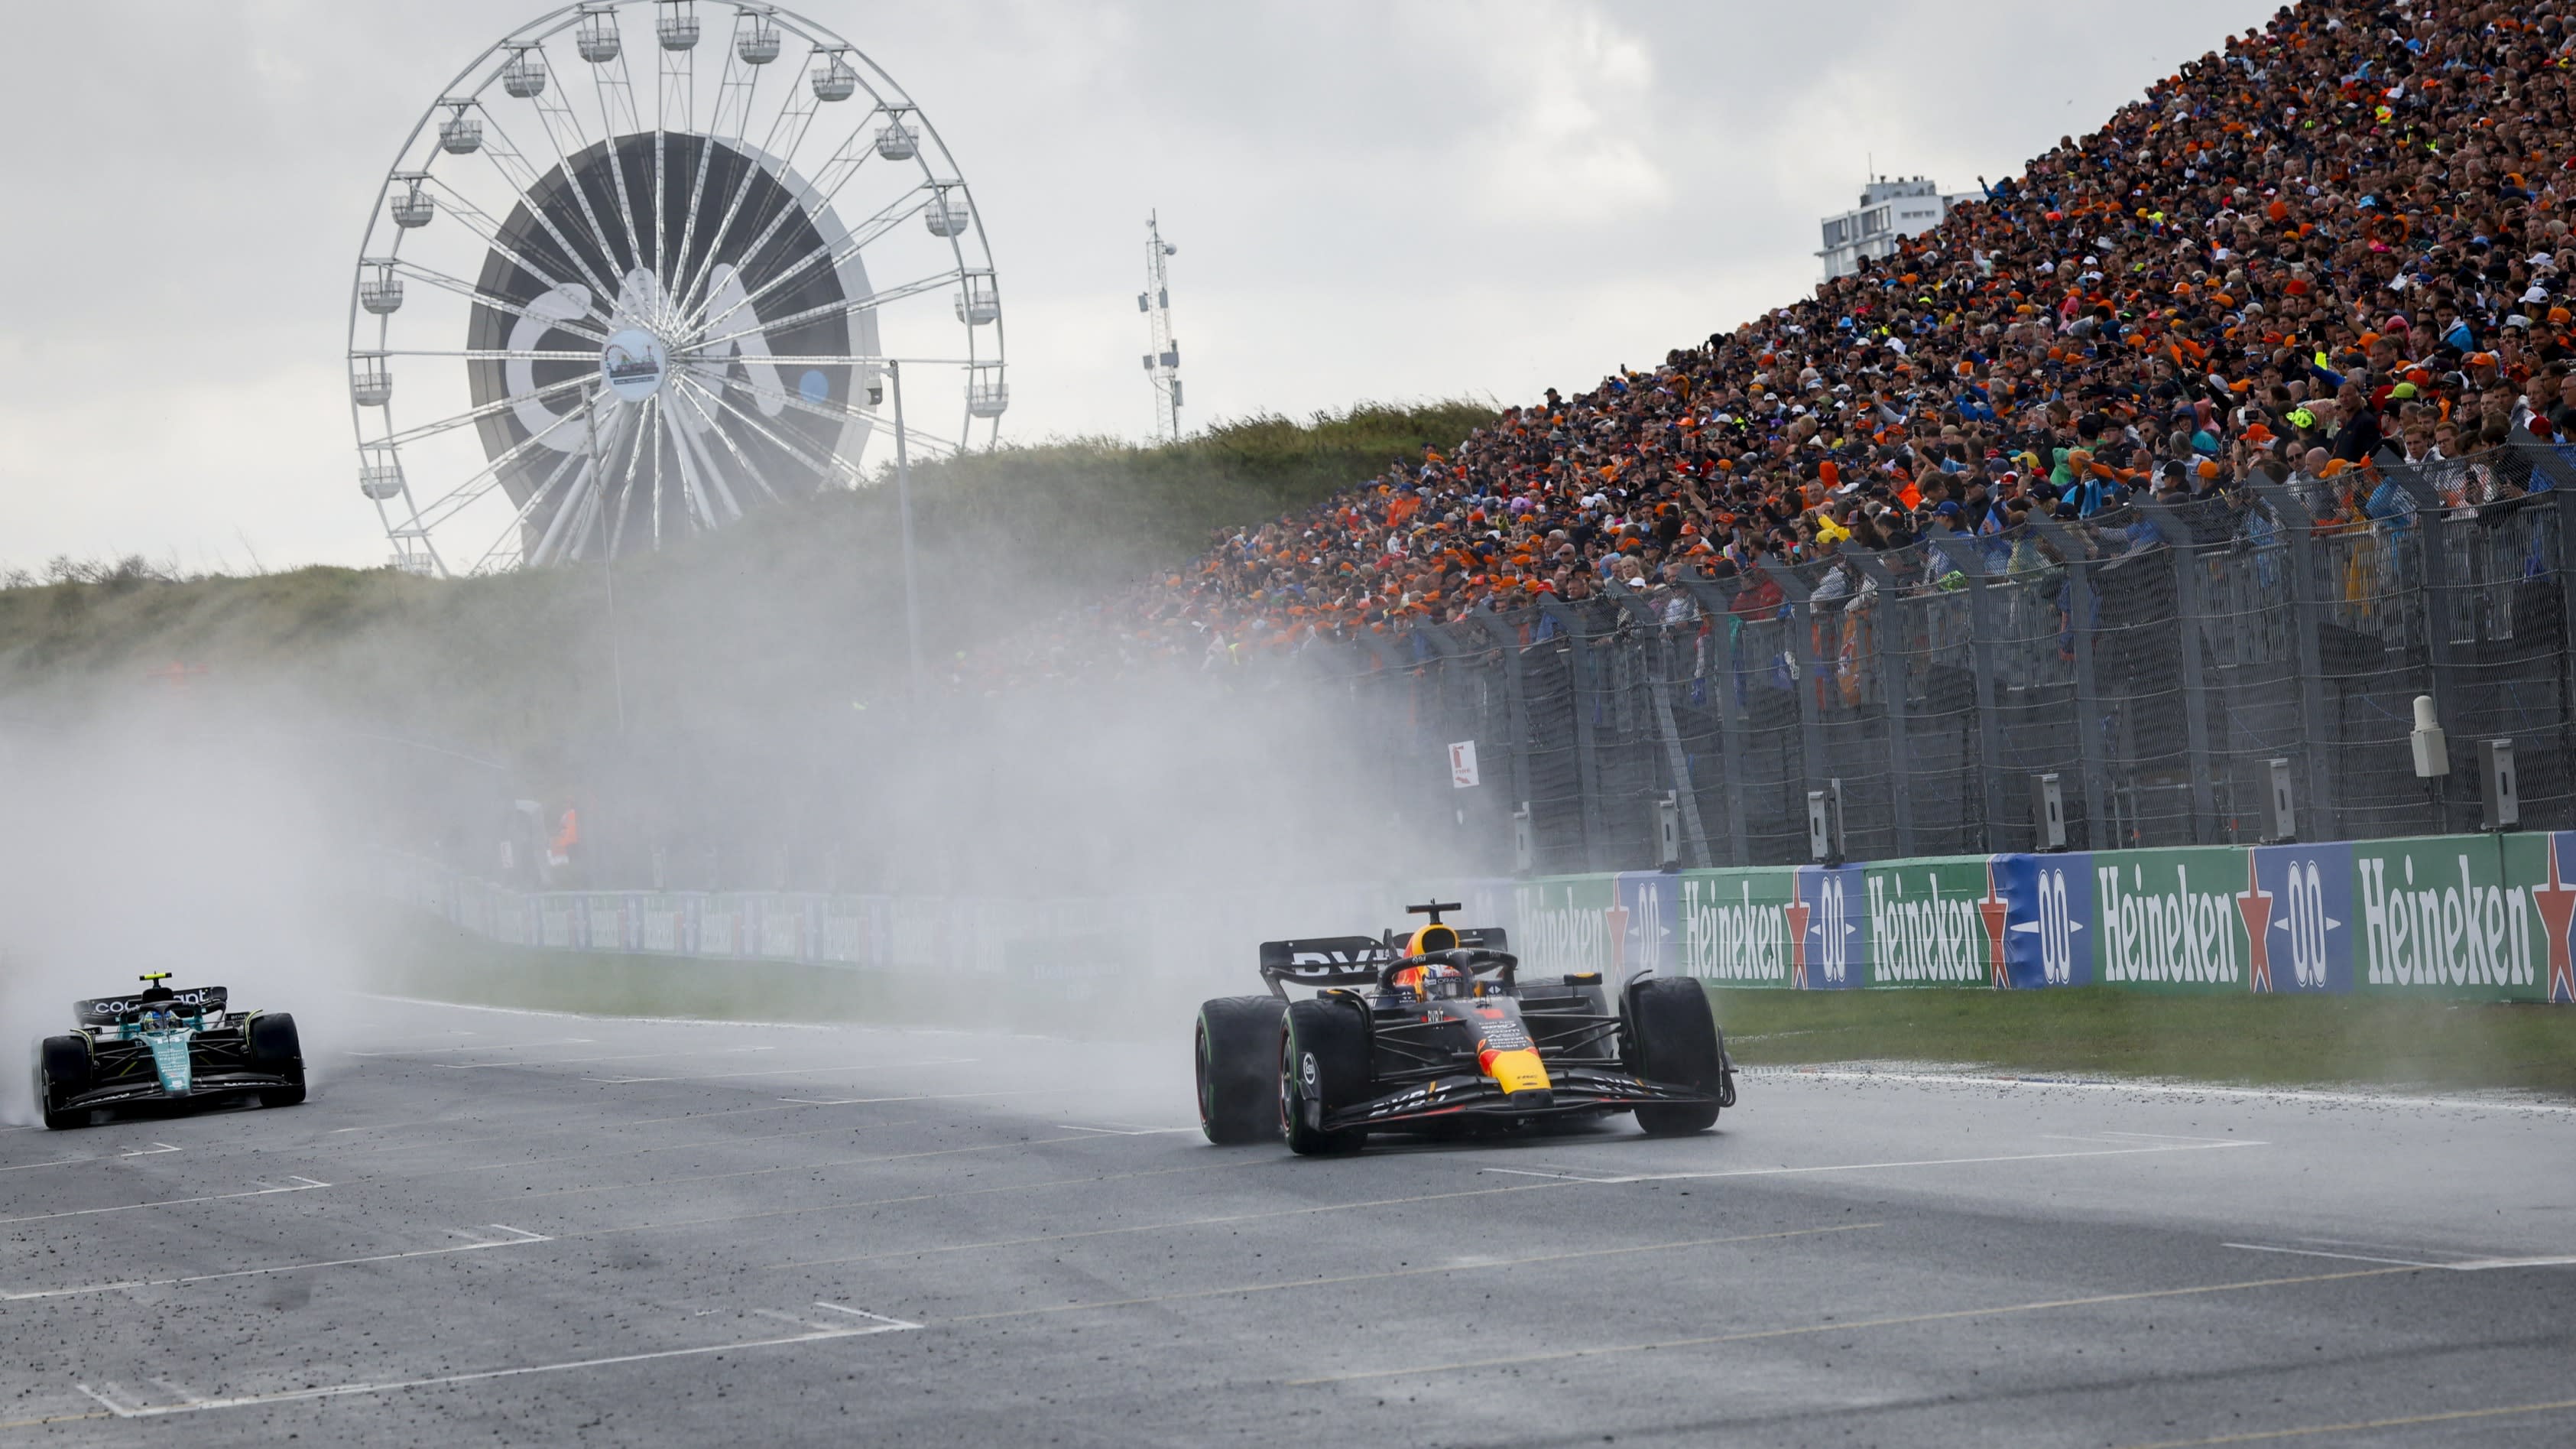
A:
1163	364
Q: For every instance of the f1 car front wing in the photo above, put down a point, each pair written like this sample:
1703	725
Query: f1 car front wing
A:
1572	1091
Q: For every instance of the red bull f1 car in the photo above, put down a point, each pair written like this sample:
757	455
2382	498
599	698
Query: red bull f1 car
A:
160	1047
1431	1030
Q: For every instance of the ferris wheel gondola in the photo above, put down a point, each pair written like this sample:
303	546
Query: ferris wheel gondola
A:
582	322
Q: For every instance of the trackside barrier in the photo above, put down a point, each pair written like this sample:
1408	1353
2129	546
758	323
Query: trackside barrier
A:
2478	917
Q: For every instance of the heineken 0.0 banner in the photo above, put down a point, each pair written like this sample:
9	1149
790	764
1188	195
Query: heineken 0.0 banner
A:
2470	917
2477	917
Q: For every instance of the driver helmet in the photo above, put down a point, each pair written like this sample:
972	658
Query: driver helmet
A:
1439	978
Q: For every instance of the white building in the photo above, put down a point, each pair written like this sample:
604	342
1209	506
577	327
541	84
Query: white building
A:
1888	210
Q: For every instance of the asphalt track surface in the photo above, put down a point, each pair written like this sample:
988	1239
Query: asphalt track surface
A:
510	1228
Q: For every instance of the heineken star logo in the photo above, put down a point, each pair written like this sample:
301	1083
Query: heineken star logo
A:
1797	912
1995	911
2557	904
2254	904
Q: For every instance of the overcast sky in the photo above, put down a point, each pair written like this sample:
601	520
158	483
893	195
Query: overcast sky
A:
1372	200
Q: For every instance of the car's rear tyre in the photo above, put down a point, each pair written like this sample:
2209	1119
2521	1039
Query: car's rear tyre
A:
1673	1035
286	1096
1323	1067
1236	1049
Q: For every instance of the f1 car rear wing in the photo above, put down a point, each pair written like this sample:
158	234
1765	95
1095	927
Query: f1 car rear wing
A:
1350	960
110	1010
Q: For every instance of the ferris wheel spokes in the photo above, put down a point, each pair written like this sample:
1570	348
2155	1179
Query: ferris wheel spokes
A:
893	214
842	308
832	465
578	326
422	432
523	181
514	537
489	232
564	130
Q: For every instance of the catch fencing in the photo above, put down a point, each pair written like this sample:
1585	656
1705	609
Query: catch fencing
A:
2158	660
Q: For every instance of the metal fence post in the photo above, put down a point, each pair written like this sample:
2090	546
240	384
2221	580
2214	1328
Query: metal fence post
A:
1891	689
2080	625
1659	691
2298	527
1587	764
1981	653
1717	603
2195	672
2434	577
1507	648
1811	729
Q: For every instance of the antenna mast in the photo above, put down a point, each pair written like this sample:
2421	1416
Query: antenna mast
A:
1163	364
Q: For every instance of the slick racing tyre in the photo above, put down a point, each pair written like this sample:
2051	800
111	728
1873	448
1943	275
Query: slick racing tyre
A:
62	1068
1237	1049
277	1048
1673	1035
1323	1066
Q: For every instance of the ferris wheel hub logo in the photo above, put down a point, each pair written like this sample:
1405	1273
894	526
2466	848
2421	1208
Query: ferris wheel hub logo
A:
634	363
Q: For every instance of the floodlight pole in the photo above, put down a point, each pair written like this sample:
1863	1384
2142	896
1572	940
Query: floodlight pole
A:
903	506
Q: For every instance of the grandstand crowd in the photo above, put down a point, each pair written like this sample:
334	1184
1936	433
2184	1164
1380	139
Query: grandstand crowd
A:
2344	233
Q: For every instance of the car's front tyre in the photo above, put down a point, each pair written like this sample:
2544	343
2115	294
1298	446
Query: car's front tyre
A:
1673	1038
62	1068
277	1047
1323	1066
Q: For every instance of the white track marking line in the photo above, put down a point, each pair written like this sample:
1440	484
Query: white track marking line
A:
2283	1095
1549	1182
1558	1176
335	1391
620	1057
921	1097
2319	1253
179	1392
155	1150
483	1046
2471	1265
913	1197
646	1020
2392	1247
863	1313
786	1071
1377	1275
772	1171
111	1405
1124	1131
302	1184
1916	1162
1849	1325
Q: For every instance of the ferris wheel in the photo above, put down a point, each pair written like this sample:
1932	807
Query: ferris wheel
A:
589	321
